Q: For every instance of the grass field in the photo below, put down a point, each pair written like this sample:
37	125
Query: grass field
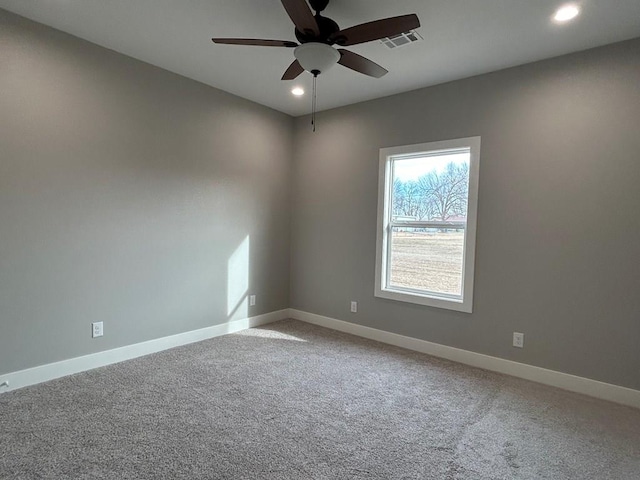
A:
431	261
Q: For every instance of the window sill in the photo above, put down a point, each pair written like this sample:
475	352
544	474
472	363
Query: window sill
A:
444	302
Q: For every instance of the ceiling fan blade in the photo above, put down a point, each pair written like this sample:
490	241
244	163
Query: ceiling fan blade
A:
375	30
293	71
255	41
361	64
301	16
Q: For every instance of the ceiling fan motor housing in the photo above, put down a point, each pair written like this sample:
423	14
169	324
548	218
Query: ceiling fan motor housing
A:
326	26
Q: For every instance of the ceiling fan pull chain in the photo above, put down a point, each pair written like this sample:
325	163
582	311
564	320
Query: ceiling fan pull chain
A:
314	102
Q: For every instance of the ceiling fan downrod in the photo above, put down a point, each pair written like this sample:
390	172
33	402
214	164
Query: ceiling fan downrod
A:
318	5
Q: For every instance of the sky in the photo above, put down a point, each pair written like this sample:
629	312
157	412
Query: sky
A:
414	168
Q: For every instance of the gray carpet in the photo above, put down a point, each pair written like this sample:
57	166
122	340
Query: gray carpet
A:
295	401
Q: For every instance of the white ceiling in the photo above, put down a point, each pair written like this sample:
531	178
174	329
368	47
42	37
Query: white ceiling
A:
461	38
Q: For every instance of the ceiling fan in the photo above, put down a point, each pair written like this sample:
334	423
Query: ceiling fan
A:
317	35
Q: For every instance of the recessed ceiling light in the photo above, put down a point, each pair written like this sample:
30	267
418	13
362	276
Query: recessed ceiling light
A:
297	91
566	13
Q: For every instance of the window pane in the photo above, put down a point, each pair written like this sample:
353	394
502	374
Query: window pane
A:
431	188
427	259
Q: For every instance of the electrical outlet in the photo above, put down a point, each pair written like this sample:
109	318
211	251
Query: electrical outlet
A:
518	339
354	307
252	300
97	329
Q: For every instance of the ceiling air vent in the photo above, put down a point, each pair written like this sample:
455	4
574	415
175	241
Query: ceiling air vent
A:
401	40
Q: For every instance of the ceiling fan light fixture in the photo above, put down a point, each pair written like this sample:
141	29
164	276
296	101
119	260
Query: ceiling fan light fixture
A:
316	57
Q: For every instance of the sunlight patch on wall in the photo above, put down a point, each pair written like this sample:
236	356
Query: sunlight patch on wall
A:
238	282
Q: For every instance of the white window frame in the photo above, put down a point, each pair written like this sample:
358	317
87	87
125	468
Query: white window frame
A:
464	302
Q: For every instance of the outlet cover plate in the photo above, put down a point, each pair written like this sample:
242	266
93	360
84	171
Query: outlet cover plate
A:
97	329
518	340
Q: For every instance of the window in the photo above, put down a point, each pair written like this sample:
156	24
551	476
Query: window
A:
427	205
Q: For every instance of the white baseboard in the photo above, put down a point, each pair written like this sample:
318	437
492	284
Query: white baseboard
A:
593	388
43	373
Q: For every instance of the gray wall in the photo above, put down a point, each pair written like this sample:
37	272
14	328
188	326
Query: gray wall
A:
124	192
558	252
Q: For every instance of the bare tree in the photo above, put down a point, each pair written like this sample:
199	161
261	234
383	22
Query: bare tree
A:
434	196
408	199
447	191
